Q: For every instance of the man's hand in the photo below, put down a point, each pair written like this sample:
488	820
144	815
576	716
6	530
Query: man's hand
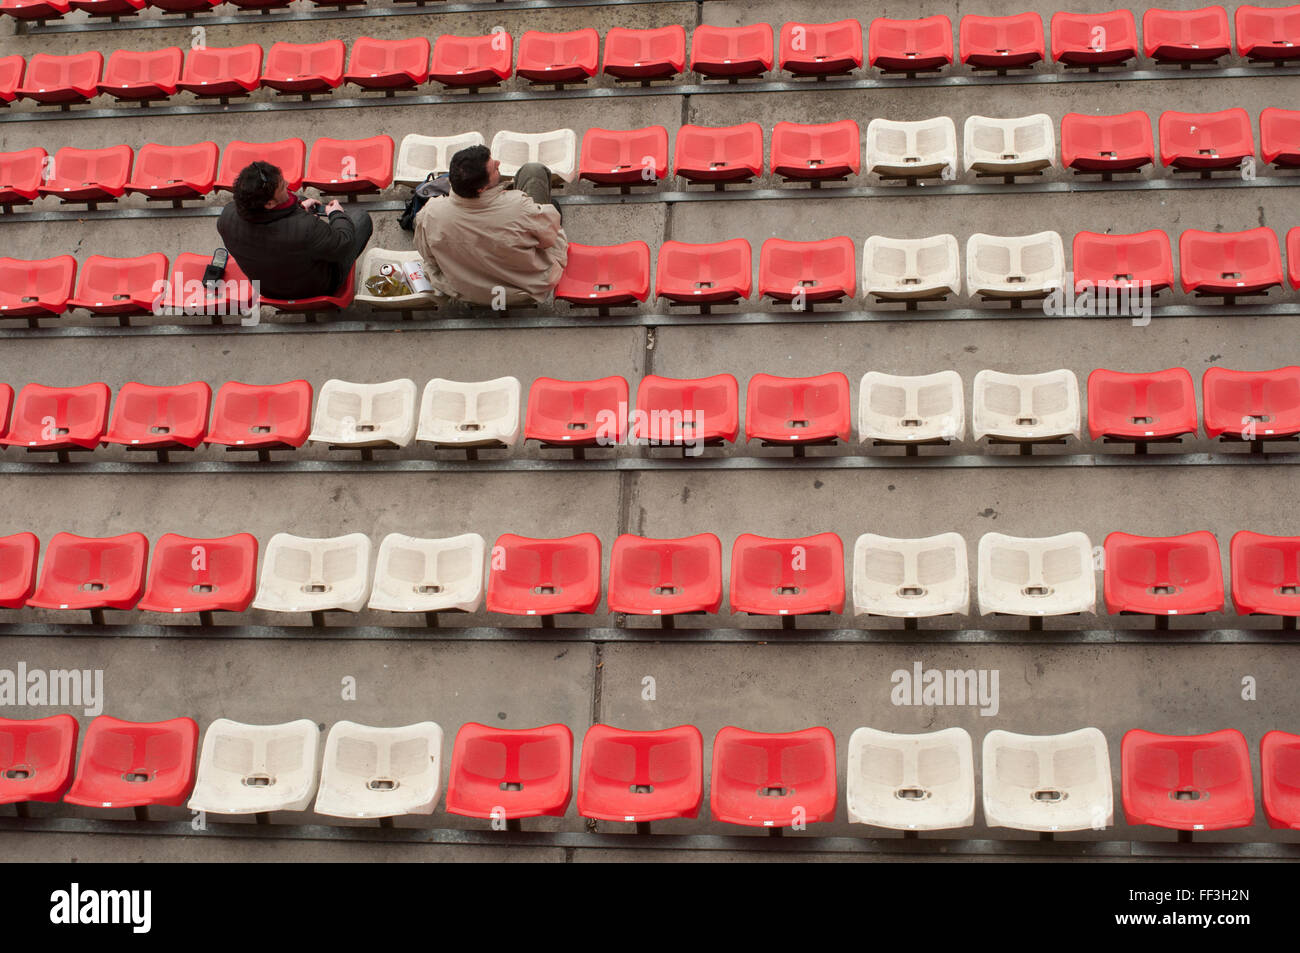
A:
310	204
333	207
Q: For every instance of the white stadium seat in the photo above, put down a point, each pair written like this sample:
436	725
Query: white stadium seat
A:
1020	266
365	415
380	772
1026	407
418	157
923	148
1036	576
429	575
302	574
911	269
470	414
911	410
1019	146
910	578
256	769
905	782
557	150
1048	782
368	267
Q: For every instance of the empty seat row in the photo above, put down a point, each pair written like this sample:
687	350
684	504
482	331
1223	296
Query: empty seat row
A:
896	781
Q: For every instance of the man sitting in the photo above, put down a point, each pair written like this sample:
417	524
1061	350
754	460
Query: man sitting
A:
488	243
283	243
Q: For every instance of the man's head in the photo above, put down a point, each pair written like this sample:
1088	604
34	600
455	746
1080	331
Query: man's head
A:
260	186
472	170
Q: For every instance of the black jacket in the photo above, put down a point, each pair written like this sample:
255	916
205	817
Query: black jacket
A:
294	253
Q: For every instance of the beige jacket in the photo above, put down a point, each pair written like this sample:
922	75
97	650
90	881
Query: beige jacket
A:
502	239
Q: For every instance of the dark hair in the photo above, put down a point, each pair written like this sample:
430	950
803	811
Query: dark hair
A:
256	185
468	171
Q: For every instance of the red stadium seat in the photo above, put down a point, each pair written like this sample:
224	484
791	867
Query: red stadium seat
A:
188	294
732	52
577	413
59	418
719	154
175	172
1094	40
910	46
1002	43
288	155
262	5
807	271
1279	137
201	575
1187	782
92	572
1163	575
306	306
632	157
37	10
605	276
32	289
781	779
558	57
544	577
1107	144
472	61
89	175
1293	256
665	577
1186	36
795	411
1265	574
6	407
350	166
62	80
1204	141
831	151
670	411
645	55
261	417
121	286
11	77
21	175
1279	762
135	764
18	557
1251	405
1268	34
641	776
143	76
1225	264
787	577
36	758
222	71
108	8
720	273
305	68
160	418
388	64
1141	408
506	774
1123	261
821	49
185	6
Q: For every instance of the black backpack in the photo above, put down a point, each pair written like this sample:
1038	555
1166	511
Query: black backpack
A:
430	188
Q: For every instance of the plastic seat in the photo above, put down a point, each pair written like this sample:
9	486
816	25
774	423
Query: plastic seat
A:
1123	261
261	416
1279	138
645	54
18	558
31	289
556	149
508	774
681	412
89	175
121	286
429	575
1204	141
1160	405
1268	34
350	166
1224	264
1163	575
821	49
107	8
777	779
160	418
1008	267
1093	40
1188	782
11	77
794	411
372	260
1265	574
135	764
21	176
1186	36
544	577
201	575
577	413
919	149
59	418
256	769
665	577
800	576
144	76
911	269
1026	407
641	776
305	574
807	271
817	153
365	415
174	172
38	10
304	68
632	157
184	6
6	407
735	52
36	758
315	304
1279	761
1251	405
910	578
1042	576
90	572
62	80
1002	43
605	275
380	772
261	5
929	408
911	782
288	155
1022	146
222	71
1106	144
472	61
910	46
558	57
1292	256
718	273
1048	782
719	154
187	294
470	414
418	157
388	64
